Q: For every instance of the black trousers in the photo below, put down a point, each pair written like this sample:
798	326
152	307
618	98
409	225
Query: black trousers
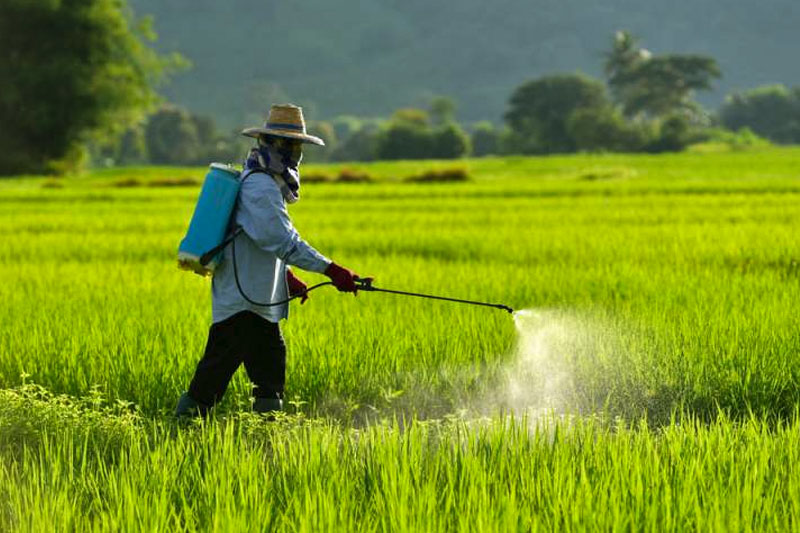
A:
242	338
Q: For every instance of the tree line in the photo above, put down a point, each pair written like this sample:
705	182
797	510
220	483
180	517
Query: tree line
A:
88	93
644	104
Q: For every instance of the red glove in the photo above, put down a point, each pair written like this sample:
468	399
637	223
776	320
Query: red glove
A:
342	278
296	286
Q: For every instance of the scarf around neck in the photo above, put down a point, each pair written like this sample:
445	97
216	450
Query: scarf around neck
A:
282	165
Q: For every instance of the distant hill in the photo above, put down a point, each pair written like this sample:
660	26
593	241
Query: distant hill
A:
368	58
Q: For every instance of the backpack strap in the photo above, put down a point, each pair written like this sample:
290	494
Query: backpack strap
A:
209	255
249	172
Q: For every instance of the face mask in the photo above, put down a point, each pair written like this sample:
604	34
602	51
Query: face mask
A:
281	157
290	152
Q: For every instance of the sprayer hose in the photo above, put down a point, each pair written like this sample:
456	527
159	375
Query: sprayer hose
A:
365	285
273	304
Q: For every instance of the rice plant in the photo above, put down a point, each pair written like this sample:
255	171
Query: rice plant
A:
651	381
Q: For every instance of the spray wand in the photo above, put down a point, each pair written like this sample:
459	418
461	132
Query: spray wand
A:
365	284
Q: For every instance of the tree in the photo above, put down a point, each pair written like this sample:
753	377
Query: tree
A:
72	70
411	116
675	134
624	56
539	110
450	142
772	112
130	148
442	110
405	140
360	145
206	130
406	136
485	139
605	129
318	154
172	137
655	85
346	125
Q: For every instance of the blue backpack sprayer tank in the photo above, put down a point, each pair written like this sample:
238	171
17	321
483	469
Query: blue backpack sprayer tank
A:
201	249
210	232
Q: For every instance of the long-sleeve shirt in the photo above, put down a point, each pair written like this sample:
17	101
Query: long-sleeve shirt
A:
267	245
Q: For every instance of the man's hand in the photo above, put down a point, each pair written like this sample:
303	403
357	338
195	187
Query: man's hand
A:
296	286
343	279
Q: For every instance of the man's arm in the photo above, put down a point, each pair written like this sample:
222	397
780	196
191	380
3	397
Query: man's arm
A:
263	216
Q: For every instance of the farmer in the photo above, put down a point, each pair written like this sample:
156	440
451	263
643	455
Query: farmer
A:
243	332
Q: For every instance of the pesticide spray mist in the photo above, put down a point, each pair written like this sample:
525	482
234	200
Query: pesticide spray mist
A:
540	379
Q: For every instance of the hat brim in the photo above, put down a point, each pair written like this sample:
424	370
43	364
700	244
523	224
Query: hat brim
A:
256	132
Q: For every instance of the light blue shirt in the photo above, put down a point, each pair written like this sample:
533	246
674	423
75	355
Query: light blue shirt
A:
268	244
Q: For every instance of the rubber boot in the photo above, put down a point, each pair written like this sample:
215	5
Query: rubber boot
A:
188	408
268	406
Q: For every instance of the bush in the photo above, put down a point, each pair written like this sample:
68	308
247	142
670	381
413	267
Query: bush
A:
315	178
722	140
353	176
127	183
174	182
93	419
607	173
440	176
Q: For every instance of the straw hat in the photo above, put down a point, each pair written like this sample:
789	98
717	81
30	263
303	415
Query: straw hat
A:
285	120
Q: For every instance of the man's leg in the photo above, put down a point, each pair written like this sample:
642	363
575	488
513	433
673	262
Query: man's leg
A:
220	360
264	357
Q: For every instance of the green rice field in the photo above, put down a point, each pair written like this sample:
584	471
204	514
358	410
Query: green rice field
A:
649	381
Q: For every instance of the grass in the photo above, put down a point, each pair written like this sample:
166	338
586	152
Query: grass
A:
663	340
81	467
